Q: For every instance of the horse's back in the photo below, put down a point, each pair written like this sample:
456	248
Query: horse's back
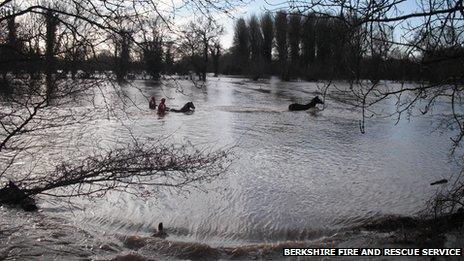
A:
186	108
295	107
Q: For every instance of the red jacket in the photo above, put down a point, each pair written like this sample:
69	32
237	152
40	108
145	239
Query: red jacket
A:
161	107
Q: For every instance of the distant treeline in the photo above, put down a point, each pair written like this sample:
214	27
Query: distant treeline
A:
314	46
294	45
47	46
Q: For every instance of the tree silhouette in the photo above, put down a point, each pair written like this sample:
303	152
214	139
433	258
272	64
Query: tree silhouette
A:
281	28
256	43
308	41
241	44
101	38
198	37
267	29
294	39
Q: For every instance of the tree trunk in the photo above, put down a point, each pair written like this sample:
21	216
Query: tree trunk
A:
52	23
205	59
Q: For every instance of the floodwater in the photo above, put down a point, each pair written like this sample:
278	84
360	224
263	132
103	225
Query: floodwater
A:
304	177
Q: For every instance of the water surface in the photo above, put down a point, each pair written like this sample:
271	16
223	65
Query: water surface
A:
298	176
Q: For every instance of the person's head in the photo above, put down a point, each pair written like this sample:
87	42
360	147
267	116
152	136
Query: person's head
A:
163	100
152	98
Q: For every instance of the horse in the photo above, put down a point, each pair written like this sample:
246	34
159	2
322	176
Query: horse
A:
303	107
441	181
188	107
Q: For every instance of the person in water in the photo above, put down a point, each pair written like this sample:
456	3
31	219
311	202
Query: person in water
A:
162	106
160	233
152	103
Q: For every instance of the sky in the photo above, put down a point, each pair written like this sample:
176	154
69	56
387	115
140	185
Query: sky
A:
254	7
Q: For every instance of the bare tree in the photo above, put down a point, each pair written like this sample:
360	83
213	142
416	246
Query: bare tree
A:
152	51
430	36
29	121
198	37
41	113
438	26
50	47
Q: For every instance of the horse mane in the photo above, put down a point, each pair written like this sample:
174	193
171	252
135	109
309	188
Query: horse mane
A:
186	106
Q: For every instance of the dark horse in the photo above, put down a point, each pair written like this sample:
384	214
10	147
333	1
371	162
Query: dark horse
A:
303	107
188	107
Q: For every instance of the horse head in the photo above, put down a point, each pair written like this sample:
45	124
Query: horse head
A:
317	100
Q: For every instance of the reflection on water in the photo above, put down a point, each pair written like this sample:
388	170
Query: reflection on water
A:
297	175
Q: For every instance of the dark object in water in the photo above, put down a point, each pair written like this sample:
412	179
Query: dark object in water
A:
131	257
160	233
391	223
11	194
303	107
152	103
441	181
188	107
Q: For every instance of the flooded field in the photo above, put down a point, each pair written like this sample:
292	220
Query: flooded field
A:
297	178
